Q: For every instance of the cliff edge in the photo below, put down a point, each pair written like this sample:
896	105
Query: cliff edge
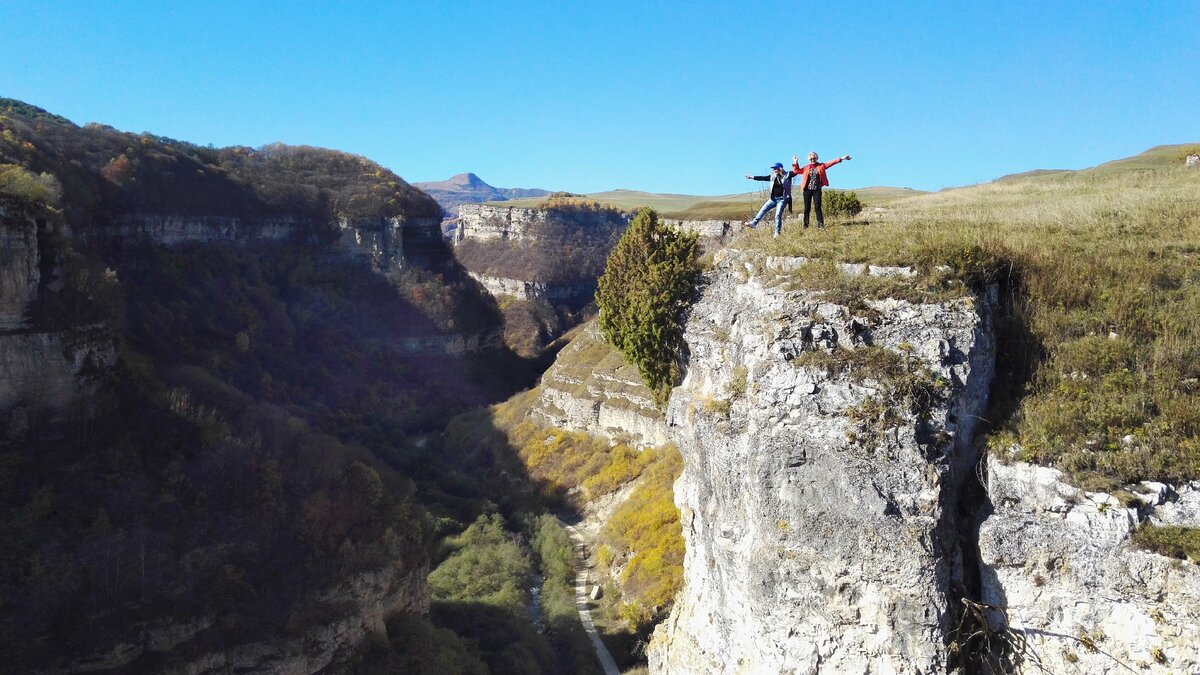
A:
825	449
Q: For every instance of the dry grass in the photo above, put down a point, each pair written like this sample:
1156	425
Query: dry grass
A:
1101	326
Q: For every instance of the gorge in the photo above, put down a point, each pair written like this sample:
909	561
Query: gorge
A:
256	415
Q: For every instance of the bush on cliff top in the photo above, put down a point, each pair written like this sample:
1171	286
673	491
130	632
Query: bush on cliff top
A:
643	294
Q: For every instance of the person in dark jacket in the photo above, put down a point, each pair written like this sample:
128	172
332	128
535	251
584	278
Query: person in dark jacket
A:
813	178
781	193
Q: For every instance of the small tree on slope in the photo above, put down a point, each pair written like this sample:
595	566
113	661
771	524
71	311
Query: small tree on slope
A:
643	294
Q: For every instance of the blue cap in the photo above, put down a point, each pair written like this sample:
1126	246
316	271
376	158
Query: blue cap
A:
777	165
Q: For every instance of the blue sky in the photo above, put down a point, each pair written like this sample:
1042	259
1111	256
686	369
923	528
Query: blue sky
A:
658	96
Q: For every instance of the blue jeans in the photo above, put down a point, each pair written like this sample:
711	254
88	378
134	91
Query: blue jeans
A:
777	203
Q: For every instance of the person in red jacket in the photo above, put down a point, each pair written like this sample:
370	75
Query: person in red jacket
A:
812	179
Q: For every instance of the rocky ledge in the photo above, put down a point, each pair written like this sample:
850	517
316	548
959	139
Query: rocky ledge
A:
1080	597
819	508
590	388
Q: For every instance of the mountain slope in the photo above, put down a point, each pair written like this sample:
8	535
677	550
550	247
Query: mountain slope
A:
208	379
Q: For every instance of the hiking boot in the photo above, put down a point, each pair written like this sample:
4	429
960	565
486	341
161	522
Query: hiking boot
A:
750	224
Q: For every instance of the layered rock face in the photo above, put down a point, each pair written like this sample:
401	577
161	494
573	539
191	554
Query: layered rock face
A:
19	273
819	516
173	229
480	222
386	244
38	369
535	290
707	229
590	388
1082	598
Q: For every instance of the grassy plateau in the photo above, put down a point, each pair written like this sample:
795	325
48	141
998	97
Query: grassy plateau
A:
1099	365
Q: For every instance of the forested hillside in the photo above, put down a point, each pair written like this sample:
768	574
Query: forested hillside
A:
239	479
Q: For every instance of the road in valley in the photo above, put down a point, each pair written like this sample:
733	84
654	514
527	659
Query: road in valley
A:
583	575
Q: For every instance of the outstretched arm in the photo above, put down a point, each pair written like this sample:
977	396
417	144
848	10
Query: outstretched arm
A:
758	177
829	164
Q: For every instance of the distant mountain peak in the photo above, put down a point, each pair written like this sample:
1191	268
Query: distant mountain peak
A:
468	188
467	180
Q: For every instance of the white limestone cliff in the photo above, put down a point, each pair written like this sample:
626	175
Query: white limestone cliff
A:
1082	597
38	368
832	528
809	549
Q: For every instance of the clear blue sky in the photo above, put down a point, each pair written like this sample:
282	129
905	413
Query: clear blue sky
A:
658	96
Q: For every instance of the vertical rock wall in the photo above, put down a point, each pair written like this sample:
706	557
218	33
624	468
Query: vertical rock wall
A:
38	369
806	551
19	273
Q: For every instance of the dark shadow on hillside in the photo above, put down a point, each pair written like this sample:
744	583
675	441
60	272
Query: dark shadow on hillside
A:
1019	353
251	447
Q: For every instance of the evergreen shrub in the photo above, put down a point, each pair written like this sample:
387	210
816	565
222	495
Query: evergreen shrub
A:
643	295
838	203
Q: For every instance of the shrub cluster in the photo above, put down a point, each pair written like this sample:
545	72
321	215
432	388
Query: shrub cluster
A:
17	181
839	203
644	537
643	295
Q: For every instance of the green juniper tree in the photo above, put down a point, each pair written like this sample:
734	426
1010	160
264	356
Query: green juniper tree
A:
645	289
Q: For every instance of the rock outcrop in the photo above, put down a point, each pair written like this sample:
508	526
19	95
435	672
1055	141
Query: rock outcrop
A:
707	229
489	223
173	229
19	265
536	290
590	388
819	506
385	243
1081	598
39	369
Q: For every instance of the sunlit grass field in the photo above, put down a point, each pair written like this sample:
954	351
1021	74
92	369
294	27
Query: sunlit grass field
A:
1099	370
739	206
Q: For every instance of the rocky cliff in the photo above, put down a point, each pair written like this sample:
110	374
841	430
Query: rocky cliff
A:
488	222
39	368
591	388
819	501
553	254
19	264
485	222
1081	597
835	522
377	240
